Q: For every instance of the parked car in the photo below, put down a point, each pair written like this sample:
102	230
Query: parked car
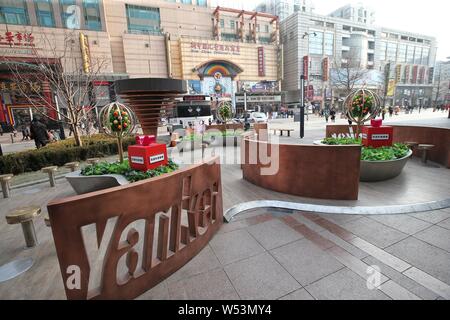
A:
258	117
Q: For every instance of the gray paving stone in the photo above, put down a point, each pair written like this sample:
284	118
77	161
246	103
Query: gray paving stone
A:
261	277
311	225
305	261
401	279
423	256
159	292
301	294
205	261
374	232
404	223
344	285
358	253
234	246
212	285
340	219
433	216
445	224
437	236
273	234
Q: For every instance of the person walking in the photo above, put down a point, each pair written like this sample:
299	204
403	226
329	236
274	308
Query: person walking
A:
326	114
333	115
383	113
391	111
38	132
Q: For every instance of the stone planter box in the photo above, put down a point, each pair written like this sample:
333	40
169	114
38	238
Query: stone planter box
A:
373	171
85	184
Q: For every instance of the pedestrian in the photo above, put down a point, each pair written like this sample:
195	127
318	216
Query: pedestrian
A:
383	113
391	111
1	130
326	114
70	130
333	115
38	132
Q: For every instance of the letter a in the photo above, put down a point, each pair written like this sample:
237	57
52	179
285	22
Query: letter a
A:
73	282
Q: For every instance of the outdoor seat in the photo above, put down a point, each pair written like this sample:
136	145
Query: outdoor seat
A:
425	148
73	166
5	181
47	220
51	174
25	217
93	161
411	144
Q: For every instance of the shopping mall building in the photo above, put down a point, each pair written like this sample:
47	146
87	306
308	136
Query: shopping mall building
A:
220	52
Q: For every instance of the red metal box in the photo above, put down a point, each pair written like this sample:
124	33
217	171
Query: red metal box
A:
147	154
377	136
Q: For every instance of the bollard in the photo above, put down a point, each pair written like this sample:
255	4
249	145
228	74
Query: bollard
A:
12	138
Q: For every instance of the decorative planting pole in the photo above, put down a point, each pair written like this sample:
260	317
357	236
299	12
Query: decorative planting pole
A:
362	105
117	121
224	112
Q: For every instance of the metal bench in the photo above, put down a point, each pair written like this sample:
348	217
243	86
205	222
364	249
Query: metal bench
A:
73	166
425	148
282	130
93	161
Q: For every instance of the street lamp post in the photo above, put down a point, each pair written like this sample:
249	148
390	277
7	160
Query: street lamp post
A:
302	106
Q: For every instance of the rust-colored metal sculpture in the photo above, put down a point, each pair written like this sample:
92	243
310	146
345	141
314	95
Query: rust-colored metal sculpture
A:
149	97
144	232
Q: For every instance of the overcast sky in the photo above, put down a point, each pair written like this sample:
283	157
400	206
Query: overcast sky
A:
429	17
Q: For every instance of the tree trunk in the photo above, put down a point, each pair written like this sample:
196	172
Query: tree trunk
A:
77	136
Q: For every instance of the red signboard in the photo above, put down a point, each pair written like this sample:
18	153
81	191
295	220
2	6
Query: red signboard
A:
306	67
17	39
414	74
194	98
377	137
261	62
147	154
214	47
325	68
310	92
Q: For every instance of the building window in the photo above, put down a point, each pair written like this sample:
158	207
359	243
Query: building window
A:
232	24
13	12
401	53
418	55
329	44
329	25
346	28
202	3
229	36
383	47
186	1
65	4
426	56
222	23
316	43
410	55
44	13
92	14
264	40
143	19
257	28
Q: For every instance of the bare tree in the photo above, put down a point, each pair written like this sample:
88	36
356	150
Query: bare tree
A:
63	69
348	74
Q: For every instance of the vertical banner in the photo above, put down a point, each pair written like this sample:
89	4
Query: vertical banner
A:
414	74
430	75
421	74
407	70
391	88
326	69
261	62
306	67
398	73
85	53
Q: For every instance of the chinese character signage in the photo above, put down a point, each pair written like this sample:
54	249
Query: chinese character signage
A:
326	69
14	87
85	53
407	74
215	48
17	39
261	62
306	67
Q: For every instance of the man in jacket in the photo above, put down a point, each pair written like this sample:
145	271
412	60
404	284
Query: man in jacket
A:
38	132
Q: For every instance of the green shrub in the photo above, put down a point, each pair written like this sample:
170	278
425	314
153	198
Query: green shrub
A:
341	141
125	170
59	153
397	151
